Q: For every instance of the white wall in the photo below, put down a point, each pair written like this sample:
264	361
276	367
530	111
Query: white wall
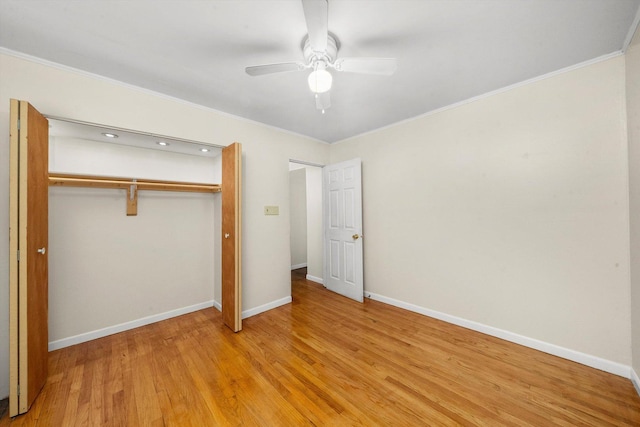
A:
81	156
61	92
298	217
4	253
106	268
633	126
510	211
314	223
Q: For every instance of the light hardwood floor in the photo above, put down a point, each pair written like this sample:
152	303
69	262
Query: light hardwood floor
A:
322	360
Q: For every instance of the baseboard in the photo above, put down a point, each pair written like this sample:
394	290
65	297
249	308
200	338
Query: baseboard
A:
565	353
88	336
266	307
635	380
260	309
315	279
297	266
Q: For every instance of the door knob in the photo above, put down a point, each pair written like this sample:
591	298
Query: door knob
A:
356	236
42	251
226	235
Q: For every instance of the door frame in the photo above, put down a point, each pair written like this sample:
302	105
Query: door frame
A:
13	261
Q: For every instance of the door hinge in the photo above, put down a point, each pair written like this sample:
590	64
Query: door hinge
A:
18	251
18	389
18	124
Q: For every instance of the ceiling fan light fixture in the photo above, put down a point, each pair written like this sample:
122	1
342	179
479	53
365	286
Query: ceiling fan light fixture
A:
320	81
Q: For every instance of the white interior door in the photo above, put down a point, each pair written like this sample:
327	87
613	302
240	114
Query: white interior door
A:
342	212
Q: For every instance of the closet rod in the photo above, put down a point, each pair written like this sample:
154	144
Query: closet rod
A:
66	180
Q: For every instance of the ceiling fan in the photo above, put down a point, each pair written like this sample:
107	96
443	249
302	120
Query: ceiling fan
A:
320	49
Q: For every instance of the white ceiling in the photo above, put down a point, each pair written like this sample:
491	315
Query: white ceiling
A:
447	50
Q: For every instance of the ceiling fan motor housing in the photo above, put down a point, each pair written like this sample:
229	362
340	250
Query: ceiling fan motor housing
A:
328	56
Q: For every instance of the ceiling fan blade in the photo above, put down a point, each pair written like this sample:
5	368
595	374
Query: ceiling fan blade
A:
378	66
316	15
260	70
323	101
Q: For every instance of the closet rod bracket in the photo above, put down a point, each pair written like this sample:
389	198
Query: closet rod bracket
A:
132	199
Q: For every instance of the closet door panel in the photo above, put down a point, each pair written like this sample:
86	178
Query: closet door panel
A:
232	236
29	197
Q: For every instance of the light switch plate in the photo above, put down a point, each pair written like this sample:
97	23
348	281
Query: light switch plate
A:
272	210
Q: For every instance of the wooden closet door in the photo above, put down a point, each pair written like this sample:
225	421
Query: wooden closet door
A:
28	240
232	236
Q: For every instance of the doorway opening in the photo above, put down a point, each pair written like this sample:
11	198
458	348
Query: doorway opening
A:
305	218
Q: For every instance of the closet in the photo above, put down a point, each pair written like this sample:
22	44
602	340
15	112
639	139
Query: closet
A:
29	247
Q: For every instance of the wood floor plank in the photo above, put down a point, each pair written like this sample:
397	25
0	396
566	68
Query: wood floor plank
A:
322	360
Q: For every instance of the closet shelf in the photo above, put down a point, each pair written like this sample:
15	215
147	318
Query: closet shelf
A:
131	185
